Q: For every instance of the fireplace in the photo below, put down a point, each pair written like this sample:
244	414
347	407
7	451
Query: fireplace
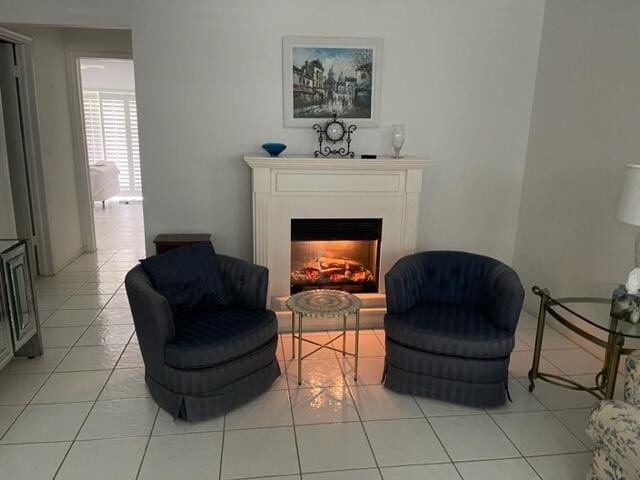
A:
287	189
335	253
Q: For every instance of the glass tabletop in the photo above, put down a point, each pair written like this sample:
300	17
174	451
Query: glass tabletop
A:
589	302
324	303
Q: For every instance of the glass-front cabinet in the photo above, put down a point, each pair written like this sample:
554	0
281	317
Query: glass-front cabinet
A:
19	326
6	345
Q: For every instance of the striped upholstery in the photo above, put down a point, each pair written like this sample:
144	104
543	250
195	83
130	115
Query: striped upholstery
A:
205	361
485	370
195	408
483	395
212	334
450	323
205	381
450	330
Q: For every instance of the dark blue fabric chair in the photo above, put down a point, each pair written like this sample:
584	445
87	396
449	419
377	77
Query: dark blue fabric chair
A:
204	360
450	324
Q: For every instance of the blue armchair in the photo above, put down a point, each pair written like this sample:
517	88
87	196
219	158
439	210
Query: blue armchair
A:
202	361
450	324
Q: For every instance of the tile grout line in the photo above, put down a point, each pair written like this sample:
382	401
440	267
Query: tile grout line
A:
437	436
224	425
514	445
66	455
364	430
146	446
293	418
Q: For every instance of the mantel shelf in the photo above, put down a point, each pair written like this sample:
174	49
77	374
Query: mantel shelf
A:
309	162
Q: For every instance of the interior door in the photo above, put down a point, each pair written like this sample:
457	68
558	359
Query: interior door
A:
15	143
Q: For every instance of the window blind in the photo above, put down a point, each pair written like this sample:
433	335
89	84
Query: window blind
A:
111	131
93	127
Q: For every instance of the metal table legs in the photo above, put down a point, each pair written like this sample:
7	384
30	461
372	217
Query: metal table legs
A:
614	345
324	345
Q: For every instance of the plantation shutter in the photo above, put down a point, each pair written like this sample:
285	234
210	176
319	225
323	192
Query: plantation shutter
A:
93	127
117	135
135	148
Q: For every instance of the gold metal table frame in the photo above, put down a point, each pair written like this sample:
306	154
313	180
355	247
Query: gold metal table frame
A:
299	336
605	380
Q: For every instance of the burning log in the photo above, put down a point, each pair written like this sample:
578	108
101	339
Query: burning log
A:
331	270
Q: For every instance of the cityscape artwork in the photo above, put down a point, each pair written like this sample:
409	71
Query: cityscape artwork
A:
327	77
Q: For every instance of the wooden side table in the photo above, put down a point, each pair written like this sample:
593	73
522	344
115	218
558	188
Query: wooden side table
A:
168	241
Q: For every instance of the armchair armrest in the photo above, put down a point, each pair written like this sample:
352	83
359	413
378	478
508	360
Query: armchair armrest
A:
245	282
632	379
153	320
502	297
613	426
403	285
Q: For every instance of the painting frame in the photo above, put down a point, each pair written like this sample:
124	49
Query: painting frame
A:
370	46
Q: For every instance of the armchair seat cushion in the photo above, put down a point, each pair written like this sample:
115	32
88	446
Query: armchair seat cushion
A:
210	335
448	329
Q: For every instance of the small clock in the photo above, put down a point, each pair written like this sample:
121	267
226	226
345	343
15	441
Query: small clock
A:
334	131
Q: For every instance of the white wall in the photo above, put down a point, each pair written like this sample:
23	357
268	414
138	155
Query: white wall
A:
57	147
584	130
459	73
108	74
50	46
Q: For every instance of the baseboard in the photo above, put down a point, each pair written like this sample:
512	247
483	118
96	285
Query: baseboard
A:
58	267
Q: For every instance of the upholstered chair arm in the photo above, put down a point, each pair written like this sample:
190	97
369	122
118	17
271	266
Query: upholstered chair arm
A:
614	426
502	297
152	318
403	285
245	282
632	379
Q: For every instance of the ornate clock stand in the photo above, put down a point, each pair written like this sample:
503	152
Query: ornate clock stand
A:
334	131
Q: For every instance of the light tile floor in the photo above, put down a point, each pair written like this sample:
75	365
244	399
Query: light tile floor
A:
82	410
119	225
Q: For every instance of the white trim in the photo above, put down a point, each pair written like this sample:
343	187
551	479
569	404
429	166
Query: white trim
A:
14	37
309	162
288	42
83	182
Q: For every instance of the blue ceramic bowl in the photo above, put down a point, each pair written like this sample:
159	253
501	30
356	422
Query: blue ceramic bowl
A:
274	149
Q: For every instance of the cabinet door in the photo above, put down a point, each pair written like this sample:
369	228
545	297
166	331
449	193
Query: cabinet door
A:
20	297
6	348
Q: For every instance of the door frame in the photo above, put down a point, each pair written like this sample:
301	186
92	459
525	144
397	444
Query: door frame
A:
33	150
83	179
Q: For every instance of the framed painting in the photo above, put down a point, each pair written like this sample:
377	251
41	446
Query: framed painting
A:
327	75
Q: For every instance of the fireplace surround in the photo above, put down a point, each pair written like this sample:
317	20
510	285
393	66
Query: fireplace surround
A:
287	189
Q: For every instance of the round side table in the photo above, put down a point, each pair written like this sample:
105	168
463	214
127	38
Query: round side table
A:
324	303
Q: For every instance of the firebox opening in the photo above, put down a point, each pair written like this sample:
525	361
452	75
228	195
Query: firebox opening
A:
341	254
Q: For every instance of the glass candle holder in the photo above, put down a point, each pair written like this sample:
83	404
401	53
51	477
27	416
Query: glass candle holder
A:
398	136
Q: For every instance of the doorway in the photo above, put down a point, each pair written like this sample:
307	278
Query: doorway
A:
110	130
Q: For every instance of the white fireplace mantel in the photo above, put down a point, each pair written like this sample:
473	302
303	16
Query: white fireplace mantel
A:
303	186
309	162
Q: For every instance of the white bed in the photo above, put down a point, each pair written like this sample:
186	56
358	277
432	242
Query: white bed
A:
105	181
